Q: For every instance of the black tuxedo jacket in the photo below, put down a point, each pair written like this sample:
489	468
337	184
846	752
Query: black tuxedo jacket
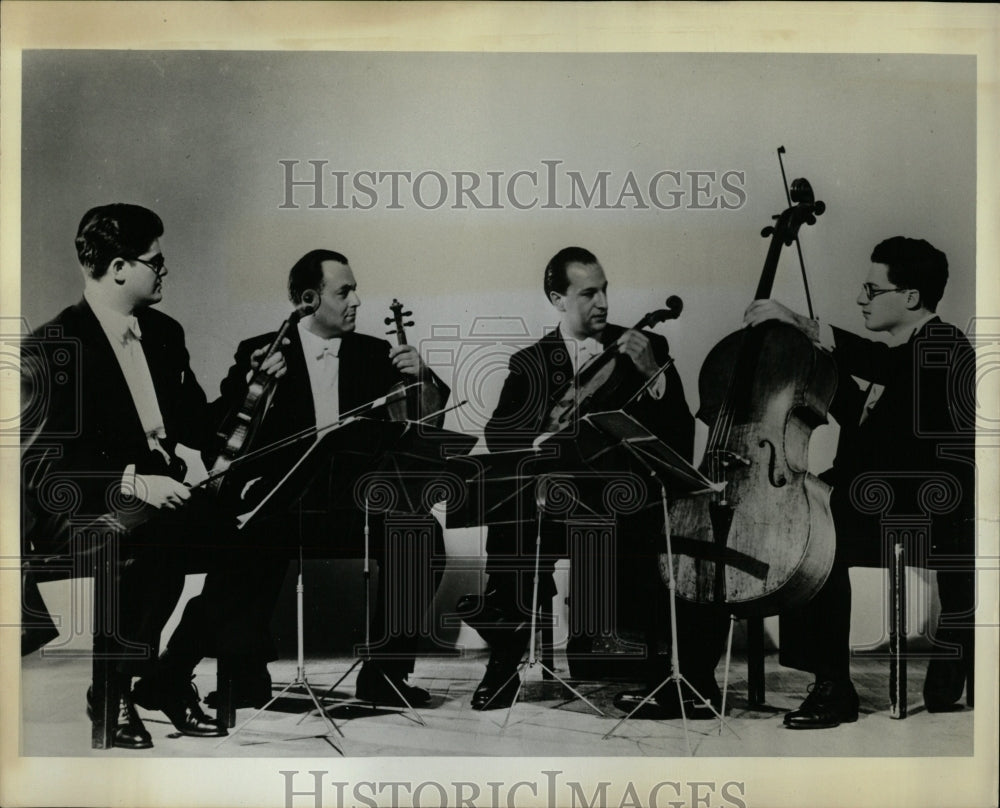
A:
80	426
918	439
365	374
536	374
538	371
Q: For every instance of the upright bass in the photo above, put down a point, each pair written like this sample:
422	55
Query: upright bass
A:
766	541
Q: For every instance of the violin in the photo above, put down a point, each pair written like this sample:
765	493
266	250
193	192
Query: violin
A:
238	428
422	398
765	542
601	377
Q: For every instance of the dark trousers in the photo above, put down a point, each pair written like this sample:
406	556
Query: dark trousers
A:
816	637
639	594
231	616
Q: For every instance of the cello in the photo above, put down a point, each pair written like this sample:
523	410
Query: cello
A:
765	542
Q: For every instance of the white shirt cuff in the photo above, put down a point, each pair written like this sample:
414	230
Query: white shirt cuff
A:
658	388
826	338
128	480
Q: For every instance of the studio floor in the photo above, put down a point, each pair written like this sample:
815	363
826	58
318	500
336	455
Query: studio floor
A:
542	724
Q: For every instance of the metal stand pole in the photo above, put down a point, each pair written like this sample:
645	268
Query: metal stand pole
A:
366	656
532	661
300	675
675	666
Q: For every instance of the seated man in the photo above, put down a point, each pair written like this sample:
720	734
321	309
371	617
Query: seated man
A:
575	285
105	424
913	422
331	370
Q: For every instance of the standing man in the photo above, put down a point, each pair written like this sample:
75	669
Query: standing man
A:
911	422
104	425
575	285
331	370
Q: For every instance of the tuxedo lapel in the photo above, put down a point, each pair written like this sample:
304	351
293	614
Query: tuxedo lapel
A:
350	381
103	377
296	403
556	362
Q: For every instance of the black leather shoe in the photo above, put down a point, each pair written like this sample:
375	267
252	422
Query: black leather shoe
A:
499	686
373	686
667	706
480	610
829	704
130	732
251	689
180	704
943	685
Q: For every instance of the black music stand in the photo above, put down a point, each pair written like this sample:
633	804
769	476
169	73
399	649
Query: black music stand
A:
498	484
357	435
669	469
404	468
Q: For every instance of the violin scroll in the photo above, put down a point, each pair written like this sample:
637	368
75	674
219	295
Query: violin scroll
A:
420	399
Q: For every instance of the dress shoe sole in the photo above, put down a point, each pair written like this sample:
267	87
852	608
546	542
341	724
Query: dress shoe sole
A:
498	699
213	733
122	743
943	708
819	724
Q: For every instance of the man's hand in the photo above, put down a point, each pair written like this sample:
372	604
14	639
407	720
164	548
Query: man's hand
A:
761	311
160	491
274	365
406	359
635	345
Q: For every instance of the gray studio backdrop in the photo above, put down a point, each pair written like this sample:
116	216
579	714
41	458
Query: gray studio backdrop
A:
449	180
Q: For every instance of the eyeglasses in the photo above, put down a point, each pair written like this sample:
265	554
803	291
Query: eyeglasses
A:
871	291
156	263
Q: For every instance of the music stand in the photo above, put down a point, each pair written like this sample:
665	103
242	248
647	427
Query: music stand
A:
666	466
497	483
414	449
279	501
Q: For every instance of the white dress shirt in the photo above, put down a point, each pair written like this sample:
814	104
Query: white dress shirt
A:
582	351
122	331
323	363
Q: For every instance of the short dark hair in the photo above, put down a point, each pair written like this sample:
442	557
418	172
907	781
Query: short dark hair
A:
914	264
114	231
555	271
308	272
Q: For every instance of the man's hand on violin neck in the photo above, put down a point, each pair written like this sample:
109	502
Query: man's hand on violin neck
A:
635	345
761	311
274	365
406	359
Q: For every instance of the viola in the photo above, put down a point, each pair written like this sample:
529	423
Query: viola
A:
421	398
765	542
238	428
601	377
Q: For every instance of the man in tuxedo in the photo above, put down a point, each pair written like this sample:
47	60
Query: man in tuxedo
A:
109	394
575	285
332	370
910	424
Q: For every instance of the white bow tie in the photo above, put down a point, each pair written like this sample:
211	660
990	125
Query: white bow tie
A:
132	330
330	350
588	348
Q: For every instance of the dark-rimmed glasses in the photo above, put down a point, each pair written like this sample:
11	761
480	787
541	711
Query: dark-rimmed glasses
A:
871	291
156	263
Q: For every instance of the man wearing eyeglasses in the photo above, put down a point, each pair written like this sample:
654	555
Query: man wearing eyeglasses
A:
907	428
108	396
